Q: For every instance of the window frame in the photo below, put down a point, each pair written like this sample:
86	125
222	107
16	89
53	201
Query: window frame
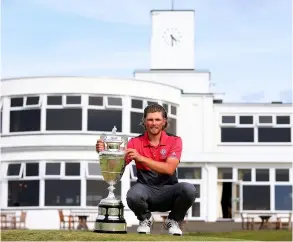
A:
256	124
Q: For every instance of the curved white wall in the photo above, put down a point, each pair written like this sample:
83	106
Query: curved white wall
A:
73	85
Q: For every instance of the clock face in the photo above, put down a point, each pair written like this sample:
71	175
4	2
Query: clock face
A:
172	37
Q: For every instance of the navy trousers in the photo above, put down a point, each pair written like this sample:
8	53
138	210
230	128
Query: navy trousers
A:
178	198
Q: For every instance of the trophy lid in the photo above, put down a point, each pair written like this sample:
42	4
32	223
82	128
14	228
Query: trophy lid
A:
113	138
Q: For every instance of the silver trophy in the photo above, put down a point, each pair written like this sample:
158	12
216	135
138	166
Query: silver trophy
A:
112	164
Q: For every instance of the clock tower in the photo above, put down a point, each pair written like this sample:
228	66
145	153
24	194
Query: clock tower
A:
172	40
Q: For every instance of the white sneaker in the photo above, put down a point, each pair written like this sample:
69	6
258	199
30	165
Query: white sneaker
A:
172	226
145	226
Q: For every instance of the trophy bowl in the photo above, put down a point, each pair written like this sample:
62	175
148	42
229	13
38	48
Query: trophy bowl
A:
112	164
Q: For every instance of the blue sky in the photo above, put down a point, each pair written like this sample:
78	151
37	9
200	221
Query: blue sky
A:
245	44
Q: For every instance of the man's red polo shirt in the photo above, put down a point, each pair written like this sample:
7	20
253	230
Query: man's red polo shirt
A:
170	146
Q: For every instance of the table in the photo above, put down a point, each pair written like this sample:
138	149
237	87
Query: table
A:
264	221
82	222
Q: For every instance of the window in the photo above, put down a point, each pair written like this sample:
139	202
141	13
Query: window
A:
96	101
274	134
240	128
104	113
137	104
283	197
189	172
235	135
63	113
25	114
23	193
72	169
62	192
115	101
104	120
14	170
225	173
53	169
31	169
228	119
23	184
244	174
73	99
265	119
283	120
262	175
246	120
256	197
282	175
195	209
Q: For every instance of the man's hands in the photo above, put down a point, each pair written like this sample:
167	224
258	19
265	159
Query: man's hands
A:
134	155
100	146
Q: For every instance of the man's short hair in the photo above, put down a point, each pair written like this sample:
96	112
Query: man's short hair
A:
153	108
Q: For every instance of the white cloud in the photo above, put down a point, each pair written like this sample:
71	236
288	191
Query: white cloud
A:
68	65
127	11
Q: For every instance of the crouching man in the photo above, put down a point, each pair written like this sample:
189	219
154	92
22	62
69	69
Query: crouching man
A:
157	155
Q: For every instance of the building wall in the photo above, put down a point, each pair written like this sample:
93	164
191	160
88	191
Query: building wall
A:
198	122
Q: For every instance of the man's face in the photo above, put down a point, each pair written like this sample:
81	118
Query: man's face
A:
154	122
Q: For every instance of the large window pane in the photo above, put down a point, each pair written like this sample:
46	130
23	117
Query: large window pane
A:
64	119
62	193
256	197
104	120
283	197
268	134
25	120
237	134
96	190
23	193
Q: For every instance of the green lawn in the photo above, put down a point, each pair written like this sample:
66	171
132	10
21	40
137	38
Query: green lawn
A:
57	235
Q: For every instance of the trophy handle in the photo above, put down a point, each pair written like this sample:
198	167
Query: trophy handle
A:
125	141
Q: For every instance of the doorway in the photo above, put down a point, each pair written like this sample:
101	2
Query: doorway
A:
224	200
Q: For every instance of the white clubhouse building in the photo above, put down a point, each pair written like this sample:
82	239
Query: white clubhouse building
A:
239	156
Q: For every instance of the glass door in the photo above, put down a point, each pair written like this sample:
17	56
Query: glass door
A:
236	199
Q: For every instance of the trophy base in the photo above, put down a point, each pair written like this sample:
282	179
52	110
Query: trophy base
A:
110	219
